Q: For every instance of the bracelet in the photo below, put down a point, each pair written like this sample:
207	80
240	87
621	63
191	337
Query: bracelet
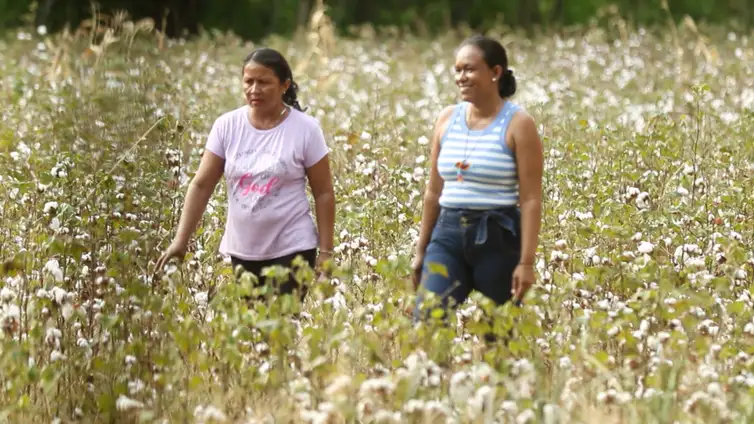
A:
329	252
523	264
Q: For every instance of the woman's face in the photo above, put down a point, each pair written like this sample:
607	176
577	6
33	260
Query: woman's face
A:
473	76
262	88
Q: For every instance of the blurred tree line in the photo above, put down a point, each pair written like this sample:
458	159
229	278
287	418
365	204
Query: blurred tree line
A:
254	19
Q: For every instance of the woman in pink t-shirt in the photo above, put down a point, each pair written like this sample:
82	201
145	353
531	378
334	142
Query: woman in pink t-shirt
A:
267	149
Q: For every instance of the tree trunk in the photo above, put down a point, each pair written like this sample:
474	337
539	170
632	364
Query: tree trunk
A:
43	12
304	10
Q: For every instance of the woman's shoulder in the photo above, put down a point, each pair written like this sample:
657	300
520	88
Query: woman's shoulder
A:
304	121
231	115
447	112
443	118
521	116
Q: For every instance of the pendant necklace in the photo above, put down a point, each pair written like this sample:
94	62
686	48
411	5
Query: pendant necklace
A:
464	164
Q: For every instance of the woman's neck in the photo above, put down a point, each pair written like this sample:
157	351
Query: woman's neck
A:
267	119
483	111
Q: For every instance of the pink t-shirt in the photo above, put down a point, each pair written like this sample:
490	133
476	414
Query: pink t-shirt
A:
265	172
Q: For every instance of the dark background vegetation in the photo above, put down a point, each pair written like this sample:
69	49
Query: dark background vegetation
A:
255	19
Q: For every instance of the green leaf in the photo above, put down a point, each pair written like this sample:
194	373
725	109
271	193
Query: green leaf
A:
736	308
603	357
438	268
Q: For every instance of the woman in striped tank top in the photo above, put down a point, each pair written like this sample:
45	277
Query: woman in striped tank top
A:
482	205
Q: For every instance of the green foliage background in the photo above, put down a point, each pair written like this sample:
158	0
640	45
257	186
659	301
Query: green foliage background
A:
255	19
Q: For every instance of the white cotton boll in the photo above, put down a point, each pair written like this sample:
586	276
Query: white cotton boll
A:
53	336
50	207
749	328
583	216
642	200
136	386
632	192
480	406
56	356
201	298
387	417
125	403
646	247
53	267
558	256
461	387
696	263
209	414
10	317
526	417
7	295
339	388
58	295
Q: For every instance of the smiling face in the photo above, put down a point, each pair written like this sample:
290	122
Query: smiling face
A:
473	76
262	87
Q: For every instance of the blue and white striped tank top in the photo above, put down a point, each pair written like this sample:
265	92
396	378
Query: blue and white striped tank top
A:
490	177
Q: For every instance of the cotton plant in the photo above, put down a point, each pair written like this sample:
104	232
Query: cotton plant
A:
644	266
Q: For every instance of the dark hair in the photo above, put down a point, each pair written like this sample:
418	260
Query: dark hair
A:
274	60
494	54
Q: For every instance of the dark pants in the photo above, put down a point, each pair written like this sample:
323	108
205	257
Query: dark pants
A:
288	285
472	250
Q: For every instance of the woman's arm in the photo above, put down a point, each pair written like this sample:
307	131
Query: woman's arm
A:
200	190
431	203
529	158
320	181
431	200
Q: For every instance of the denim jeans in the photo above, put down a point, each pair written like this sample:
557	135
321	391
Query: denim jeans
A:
472	250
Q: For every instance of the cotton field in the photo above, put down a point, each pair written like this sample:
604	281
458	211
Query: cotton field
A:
642	311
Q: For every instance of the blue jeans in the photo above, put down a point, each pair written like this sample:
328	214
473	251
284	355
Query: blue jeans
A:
472	250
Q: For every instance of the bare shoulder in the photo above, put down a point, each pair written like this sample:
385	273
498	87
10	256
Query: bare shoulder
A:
443	118
523	129
444	115
522	119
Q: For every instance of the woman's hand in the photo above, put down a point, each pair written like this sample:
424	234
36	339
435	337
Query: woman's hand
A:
177	249
199	191
416	270
523	279
322	257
